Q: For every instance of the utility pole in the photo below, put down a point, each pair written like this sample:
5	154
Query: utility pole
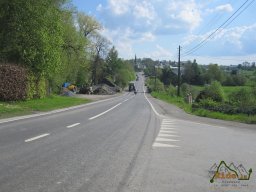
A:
178	91
155	76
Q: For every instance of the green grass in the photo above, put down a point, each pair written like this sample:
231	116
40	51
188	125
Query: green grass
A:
10	109
202	112
227	89
178	101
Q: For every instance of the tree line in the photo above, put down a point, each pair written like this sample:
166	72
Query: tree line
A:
57	44
205	84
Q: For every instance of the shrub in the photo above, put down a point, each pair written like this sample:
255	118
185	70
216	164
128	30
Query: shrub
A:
18	83
13	83
213	91
36	87
153	85
185	89
244	99
171	90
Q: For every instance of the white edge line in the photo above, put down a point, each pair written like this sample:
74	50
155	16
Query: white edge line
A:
73	125
37	137
96	116
55	111
153	108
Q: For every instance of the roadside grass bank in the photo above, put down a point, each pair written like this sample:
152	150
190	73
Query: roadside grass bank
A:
11	109
180	102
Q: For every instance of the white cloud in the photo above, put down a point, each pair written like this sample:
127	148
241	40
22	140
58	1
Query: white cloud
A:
226	7
119	7
148	36
123	43
221	8
187	12
233	41
144	10
159	53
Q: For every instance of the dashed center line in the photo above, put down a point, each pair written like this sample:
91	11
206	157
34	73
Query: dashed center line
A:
73	125
37	137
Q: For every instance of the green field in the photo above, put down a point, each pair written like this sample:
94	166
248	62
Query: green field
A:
10	109
227	89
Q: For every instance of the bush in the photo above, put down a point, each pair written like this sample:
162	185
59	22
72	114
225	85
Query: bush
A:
18	83
185	89
153	85
244	99
171	90
213	91
13	83
36	87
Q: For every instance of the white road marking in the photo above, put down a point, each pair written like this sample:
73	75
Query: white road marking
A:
164	145
168	120
165	139
164	132
96	116
55	111
37	137
167	128
167	135
168	123
153	108
73	125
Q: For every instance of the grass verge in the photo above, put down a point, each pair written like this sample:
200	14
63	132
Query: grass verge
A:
11	109
178	101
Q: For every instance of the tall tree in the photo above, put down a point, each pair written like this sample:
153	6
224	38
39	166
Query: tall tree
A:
87	24
99	48
31	34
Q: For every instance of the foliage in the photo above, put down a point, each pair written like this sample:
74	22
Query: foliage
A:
235	80
13	83
87	24
214	73
245	100
31	34
125	74
178	101
154	84
213	91
171	90
36	86
192	73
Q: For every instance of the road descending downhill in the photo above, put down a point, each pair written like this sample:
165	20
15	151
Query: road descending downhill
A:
127	143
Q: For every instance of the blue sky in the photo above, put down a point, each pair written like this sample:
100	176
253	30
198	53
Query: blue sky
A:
155	28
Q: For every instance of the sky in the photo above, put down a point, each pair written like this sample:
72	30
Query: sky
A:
155	28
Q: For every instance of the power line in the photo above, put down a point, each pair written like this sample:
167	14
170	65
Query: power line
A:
225	24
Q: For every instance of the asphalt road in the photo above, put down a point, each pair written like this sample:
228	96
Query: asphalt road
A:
128	143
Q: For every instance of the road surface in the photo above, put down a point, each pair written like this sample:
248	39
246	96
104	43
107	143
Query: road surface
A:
127	143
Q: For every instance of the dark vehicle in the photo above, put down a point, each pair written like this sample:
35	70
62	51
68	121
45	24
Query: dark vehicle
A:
131	86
